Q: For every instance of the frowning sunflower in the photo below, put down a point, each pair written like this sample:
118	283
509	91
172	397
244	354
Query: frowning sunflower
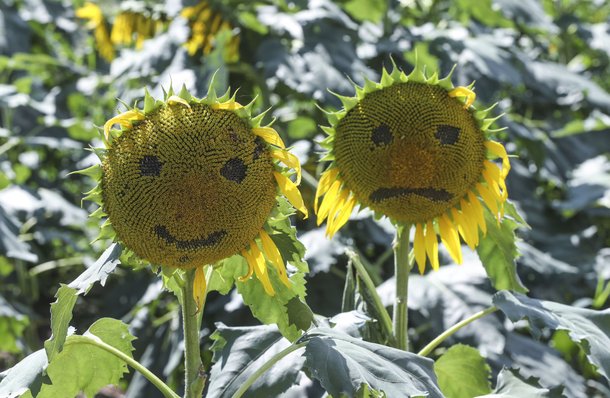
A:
413	148
188	182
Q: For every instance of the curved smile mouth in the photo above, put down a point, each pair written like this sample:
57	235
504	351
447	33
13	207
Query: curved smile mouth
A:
437	195
189	244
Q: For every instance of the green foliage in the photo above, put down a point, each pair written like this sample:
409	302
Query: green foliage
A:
342	364
462	372
498	251
510	385
61	315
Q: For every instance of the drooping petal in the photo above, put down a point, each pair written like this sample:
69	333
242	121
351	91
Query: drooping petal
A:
336	207
450	238
431	245
289	160
125	119
498	149
329	201
290	190
464	92
327	179
489	199
463	227
199	287
342	217
494	173
272	254
257	261
477	212
269	135
419	248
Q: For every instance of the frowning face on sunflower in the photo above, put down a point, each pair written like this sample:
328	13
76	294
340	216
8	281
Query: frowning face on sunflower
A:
188	182
414	149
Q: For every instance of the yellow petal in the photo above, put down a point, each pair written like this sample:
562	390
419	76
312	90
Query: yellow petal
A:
125	119
342	217
272	254
327	179
91	12
463	228
419	248
498	149
289	160
477	211
464	92
269	135
174	99
469	223
329	201
246	255
291	192
431	245
450	238
229	105
336	207
199	287
256	258
489	199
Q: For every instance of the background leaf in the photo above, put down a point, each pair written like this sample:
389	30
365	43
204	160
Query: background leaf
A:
462	372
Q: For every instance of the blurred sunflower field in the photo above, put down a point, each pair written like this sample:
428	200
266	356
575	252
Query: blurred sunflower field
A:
305	198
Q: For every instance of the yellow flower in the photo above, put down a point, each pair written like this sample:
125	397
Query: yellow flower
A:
413	148
206	26
97	23
188	182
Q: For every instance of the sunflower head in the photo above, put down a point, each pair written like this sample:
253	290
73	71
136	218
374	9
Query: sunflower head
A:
414	149
187	182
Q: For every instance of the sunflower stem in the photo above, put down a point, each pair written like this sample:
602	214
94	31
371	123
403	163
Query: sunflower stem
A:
385	321
453	329
194	380
402	267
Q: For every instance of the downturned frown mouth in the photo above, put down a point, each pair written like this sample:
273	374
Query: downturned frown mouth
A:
437	195
189	244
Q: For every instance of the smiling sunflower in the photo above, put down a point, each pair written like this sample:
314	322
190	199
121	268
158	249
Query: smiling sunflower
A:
188	182
413	148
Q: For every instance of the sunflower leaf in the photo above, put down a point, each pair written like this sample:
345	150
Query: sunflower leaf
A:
240	351
588	328
498	251
462	372
511	385
99	271
85	367
61	315
343	363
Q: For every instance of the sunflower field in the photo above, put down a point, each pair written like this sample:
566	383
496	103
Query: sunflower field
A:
308	198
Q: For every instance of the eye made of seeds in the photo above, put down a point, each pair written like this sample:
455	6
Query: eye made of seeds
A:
447	134
234	170
381	135
150	166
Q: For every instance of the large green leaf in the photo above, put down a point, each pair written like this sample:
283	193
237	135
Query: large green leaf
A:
61	315
462	372
342	364
510	385
240	351
85	367
498	250
588	328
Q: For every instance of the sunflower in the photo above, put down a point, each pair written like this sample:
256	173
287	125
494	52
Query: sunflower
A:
188	182
413	148
97	23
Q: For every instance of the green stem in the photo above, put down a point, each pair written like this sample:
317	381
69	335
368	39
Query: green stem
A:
449	332
97	342
276	358
402	267
194	379
386	321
